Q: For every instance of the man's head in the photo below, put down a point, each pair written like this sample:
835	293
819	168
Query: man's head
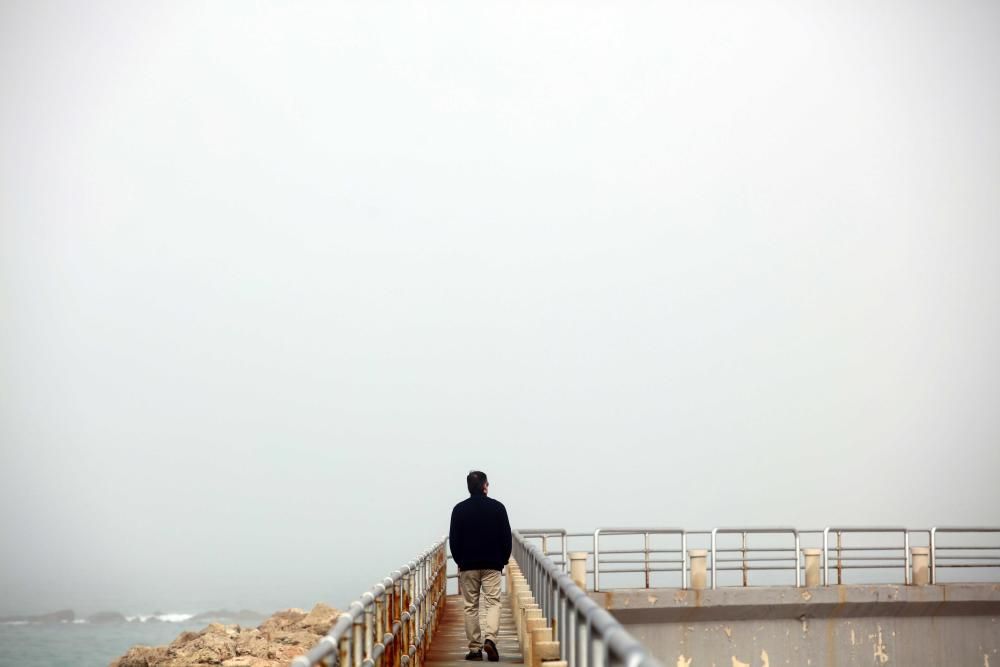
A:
476	480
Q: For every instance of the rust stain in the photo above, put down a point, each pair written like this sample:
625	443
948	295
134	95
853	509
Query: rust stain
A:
831	644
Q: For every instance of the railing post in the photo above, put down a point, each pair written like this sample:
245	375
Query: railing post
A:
798	572
582	643
598	650
906	557
933	543
743	549
369	630
358	639
563	625
345	650
684	563
380	624
411	607
826	556
397	613
645	553
597	560
714	568
840	562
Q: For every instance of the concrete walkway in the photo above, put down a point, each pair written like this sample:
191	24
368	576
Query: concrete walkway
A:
450	644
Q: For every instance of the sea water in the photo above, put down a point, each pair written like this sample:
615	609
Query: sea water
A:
81	644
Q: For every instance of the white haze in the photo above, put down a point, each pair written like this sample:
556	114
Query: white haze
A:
275	276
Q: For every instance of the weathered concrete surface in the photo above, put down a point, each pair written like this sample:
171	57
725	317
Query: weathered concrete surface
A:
956	624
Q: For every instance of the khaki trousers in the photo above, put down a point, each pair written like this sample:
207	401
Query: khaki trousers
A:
470	581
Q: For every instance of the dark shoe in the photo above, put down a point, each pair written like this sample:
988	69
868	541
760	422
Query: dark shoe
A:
474	655
491	651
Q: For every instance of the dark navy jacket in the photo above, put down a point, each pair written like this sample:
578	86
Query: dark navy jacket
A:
480	534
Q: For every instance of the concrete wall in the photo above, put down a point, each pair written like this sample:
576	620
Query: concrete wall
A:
937	626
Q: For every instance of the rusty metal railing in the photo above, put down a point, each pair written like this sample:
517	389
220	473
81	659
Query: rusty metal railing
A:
391	625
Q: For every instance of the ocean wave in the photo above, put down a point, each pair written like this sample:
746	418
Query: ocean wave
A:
14	622
163	618
174	618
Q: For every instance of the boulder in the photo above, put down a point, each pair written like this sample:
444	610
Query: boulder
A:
281	620
320	619
142	656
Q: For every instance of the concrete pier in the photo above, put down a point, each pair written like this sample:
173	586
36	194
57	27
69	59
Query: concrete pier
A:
828	626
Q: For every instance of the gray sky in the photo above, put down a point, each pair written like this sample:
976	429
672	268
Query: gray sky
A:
274	277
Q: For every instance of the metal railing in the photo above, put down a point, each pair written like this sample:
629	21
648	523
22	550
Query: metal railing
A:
866	557
390	626
765	560
588	635
649	565
943	556
857	553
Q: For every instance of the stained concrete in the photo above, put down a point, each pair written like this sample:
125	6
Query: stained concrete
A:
833	626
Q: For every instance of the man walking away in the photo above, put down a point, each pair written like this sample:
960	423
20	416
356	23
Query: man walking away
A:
480	544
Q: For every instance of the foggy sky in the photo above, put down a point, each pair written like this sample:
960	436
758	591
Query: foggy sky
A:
274	277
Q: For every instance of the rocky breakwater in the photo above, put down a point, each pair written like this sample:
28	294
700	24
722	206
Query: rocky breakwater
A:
273	643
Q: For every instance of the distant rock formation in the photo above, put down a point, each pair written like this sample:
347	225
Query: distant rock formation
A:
107	617
273	643
61	616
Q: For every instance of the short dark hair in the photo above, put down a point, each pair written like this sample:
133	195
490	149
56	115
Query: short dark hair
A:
476	480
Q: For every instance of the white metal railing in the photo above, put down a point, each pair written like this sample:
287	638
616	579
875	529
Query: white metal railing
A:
765	556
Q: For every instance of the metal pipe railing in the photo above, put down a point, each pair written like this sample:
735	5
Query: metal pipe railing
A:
854	549
976	561
744	549
391	625
645	532
588	635
841	531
